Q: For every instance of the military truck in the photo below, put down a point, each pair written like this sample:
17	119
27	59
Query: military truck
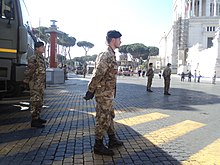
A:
16	44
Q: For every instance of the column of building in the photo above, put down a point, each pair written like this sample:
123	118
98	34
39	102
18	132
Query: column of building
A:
211	8
215	7
196	9
193	8
200	8
189	8
208	8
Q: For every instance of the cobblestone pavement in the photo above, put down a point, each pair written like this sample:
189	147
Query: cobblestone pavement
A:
160	130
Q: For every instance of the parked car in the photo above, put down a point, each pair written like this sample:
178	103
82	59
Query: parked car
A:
126	71
79	70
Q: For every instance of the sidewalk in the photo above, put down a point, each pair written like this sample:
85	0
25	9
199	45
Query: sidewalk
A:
68	137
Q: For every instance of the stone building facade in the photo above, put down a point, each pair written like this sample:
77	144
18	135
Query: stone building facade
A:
195	24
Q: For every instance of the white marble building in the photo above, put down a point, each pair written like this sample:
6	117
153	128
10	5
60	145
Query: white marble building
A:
192	42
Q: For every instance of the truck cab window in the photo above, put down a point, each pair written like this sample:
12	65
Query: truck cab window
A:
25	15
7	10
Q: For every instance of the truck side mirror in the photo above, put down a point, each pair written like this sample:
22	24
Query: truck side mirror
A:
8	14
8	2
23	40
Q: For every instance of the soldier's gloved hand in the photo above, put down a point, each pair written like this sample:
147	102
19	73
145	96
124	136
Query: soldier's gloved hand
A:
25	84
113	114
89	95
25	81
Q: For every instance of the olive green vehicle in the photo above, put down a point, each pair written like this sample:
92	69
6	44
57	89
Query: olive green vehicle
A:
16	44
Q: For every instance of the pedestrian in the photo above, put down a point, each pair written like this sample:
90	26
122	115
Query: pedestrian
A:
182	76
159	74
132	72
84	69
139	73
189	76
195	76
199	76
103	86
143	73
35	77
166	76
150	75
65	72
214	78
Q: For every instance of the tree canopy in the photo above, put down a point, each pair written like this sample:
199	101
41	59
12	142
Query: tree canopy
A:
83	59
66	40
63	39
39	32
85	45
139	51
136	50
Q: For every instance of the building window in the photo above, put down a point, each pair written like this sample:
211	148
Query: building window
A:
210	28
209	42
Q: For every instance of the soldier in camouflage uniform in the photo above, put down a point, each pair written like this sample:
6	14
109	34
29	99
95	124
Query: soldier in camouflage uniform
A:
166	76
103	86
35	75
150	76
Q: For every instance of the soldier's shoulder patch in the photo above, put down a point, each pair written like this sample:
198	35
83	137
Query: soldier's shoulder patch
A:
103	55
32	58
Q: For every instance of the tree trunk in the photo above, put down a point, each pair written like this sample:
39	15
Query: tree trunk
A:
70	56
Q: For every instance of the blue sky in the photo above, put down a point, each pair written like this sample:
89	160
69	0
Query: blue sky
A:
139	21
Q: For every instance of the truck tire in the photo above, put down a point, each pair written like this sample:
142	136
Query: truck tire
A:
13	89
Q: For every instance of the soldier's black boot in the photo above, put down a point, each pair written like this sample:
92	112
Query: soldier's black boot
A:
100	149
166	93
114	142
42	120
36	123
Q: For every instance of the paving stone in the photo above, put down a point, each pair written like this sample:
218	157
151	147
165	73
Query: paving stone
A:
68	137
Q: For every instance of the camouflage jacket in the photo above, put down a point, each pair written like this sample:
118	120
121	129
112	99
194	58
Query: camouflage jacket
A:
103	81
167	72
150	72
35	73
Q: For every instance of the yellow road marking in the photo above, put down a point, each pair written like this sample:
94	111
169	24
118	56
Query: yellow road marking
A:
8	50
94	113
210	155
142	119
170	133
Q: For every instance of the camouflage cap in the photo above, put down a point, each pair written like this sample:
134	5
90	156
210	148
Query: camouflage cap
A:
113	34
38	44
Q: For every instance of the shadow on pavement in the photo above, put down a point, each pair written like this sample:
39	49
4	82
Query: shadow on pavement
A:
73	140
69	133
180	99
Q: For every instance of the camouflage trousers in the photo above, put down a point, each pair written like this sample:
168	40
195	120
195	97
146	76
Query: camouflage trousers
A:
166	85
149	82
104	117
36	102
